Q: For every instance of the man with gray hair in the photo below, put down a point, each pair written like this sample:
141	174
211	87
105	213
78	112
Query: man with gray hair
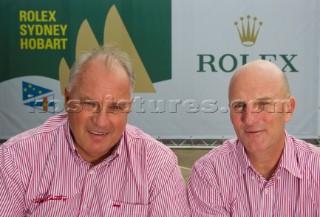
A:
89	161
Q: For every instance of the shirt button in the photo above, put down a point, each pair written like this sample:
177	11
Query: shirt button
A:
266	191
84	206
92	172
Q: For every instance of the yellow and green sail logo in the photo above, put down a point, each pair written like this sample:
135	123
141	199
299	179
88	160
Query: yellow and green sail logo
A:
114	32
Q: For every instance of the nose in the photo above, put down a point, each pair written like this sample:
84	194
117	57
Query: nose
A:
249	116
101	119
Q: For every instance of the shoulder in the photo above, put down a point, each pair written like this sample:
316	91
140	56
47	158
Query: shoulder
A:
218	156
219	164
157	160
27	150
138	139
308	156
305	151
37	135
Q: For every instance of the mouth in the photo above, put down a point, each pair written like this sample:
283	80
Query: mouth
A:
97	133
253	131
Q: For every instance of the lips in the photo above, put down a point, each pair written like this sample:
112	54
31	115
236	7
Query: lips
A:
97	133
253	131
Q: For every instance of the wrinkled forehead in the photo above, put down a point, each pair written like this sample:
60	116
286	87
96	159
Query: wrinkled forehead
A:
98	81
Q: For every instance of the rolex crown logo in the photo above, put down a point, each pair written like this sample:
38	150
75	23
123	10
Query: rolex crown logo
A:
248	33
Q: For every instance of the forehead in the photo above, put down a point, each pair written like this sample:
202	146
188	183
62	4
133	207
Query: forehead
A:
256	83
98	78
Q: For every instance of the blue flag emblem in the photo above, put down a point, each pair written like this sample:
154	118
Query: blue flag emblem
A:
38	97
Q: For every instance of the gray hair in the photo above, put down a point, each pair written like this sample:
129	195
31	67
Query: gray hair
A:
107	52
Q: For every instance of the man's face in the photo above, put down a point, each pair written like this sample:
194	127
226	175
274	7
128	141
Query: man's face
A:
92	107
259	110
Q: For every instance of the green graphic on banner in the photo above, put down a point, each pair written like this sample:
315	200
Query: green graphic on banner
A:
43	38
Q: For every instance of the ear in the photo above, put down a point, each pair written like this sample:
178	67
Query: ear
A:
130	103
289	108
66	98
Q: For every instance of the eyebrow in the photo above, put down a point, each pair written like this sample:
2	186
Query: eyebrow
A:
243	101
264	98
85	98
260	98
114	101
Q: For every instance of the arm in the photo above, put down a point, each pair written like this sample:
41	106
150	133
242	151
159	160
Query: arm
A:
169	197
204	195
11	196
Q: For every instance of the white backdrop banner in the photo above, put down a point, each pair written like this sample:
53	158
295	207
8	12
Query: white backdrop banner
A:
187	51
210	39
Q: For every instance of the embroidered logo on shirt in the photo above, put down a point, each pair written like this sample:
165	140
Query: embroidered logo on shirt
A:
49	197
116	205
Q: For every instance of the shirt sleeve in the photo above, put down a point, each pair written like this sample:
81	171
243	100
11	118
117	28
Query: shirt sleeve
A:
11	196
169	197
204	195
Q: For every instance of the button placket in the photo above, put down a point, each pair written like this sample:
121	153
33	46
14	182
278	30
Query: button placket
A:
88	191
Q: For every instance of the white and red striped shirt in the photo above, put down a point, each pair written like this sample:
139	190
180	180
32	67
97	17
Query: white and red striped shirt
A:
224	183
41	174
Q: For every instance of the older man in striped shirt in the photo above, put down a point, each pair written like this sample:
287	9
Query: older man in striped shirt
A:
265	171
90	162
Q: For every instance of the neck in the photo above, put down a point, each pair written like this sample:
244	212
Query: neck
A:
267	162
265	167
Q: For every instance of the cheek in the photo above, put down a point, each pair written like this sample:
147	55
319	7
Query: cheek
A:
77	121
275	118
119	121
274	122
235	119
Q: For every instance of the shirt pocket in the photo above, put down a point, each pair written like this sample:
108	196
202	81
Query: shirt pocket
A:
119	209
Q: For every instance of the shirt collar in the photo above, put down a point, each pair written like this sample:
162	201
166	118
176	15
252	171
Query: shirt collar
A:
69	137
288	160
244	162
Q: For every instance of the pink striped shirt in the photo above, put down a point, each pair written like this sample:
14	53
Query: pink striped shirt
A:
41	174
224	183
